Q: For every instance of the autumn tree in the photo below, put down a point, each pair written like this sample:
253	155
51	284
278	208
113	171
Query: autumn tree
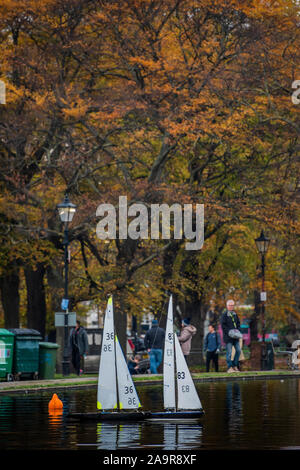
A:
162	102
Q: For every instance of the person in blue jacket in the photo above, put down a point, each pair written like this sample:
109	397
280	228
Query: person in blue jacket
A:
212	345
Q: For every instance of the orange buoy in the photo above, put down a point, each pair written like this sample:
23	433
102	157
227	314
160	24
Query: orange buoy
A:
55	403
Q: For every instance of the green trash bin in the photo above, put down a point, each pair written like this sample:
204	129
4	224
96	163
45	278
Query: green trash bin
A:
47	360
6	353
26	353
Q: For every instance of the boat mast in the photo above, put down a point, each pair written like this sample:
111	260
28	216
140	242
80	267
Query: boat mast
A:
116	371
176	375
169	362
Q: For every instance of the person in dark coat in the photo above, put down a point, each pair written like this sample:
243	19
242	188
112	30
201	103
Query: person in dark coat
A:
212	345
154	343
230	321
78	343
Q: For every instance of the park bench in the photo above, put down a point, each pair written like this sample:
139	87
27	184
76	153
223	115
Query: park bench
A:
289	355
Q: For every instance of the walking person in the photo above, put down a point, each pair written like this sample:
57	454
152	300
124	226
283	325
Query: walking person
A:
154	343
185	337
230	324
242	357
212	345
78	342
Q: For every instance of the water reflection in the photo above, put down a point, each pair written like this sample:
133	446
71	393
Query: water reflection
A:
55	418
182	436
238	415
167	436
112	436
5	407
234	410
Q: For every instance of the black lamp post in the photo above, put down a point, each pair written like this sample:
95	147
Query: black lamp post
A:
262	244
66	212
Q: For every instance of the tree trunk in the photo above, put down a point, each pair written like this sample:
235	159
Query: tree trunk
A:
195	311
192	306
36	300
9	286
126	251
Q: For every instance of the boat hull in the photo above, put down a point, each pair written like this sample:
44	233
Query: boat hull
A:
109	416
175	415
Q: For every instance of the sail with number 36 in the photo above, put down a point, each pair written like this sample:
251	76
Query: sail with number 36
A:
116	392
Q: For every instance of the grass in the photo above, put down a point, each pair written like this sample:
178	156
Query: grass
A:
74	376
59	380
205	375
242	373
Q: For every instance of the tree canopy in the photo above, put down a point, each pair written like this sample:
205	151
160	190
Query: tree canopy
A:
162	102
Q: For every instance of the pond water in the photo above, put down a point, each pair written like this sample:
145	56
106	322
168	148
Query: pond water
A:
238	415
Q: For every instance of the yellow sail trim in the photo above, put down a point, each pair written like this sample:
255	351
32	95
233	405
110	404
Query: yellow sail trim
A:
99	406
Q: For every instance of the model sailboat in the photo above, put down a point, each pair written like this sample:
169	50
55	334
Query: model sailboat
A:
116	391
183	403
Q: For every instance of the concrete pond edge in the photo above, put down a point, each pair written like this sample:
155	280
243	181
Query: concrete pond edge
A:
91	382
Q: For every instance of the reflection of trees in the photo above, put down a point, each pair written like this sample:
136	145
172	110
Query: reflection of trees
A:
151	397
283	414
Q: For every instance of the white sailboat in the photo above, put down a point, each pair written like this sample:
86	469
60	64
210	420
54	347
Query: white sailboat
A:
116	391
181	402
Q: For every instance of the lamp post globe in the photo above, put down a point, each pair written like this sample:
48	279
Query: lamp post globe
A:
66	210
262	243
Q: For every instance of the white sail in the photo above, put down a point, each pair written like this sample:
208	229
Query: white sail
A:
188	398
107	386
169	362
128	398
